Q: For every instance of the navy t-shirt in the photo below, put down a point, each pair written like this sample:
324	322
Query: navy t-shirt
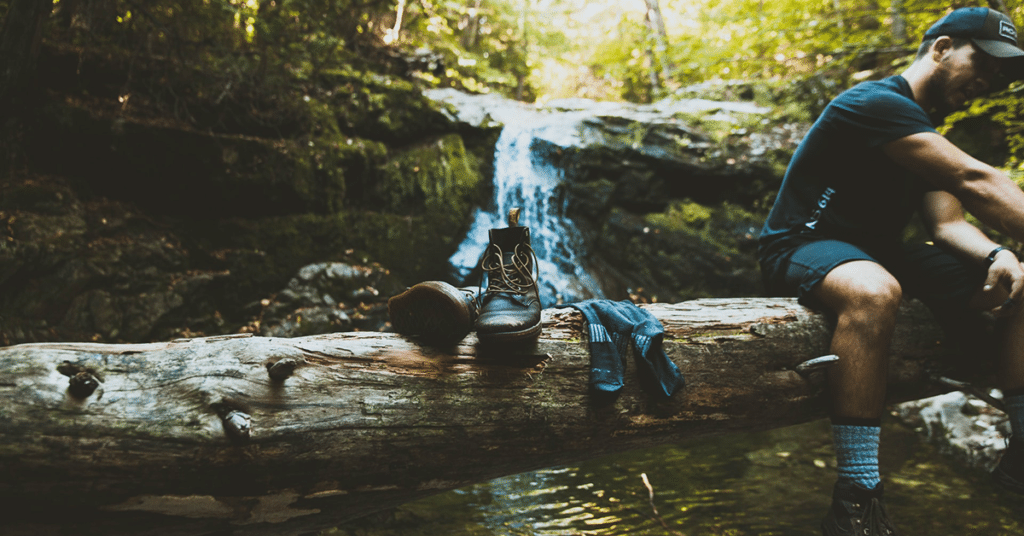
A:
840	184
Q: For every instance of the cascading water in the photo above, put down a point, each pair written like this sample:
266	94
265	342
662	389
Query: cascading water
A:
524	179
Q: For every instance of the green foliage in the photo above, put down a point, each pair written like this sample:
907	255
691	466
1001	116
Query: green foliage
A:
522	48
1003	114
744	39
992	130
485	43
439	179
227	52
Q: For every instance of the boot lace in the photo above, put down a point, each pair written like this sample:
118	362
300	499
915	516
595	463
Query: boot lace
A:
515	276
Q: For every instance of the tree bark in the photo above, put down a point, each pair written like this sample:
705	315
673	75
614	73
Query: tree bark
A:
348	423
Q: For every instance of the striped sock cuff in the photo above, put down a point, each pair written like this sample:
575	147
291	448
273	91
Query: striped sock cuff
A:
857	453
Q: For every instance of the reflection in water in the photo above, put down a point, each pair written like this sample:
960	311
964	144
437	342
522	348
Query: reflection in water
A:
775	483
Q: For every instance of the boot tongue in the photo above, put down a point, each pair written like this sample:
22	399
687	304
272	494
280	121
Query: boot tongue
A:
507	239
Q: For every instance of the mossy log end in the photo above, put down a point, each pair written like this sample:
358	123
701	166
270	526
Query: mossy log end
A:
253	435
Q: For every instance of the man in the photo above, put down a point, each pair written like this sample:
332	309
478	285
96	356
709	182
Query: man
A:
834	239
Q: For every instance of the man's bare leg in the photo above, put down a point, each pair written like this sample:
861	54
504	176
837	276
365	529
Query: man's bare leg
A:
865	298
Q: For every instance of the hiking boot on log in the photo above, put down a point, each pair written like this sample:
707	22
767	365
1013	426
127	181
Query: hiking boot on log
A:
435	312
510	306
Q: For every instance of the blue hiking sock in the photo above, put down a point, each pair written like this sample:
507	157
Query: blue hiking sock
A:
1014	404
857	453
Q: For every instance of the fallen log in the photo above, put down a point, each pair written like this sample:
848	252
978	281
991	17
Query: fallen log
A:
254	435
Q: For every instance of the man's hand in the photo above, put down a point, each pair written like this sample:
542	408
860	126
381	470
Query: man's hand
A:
1006	274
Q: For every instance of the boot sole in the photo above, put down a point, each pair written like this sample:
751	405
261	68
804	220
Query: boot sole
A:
433	312
531	332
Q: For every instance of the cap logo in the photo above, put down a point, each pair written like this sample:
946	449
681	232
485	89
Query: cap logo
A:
1007	30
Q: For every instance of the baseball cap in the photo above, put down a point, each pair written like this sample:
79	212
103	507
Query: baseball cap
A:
992	31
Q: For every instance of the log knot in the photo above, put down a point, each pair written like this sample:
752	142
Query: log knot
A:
83	380
82	385
282	369
238	425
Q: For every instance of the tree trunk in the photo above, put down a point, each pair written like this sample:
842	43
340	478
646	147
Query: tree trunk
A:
471	31
253	435
659	52
20	38
899	23
392	35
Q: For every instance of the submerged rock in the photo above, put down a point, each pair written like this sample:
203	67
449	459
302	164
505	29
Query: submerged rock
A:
962	426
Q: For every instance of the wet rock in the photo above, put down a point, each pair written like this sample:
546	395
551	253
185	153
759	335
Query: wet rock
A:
328	298
74	269
963	427
684	253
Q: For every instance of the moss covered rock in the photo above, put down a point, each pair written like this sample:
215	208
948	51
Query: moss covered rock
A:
178	171
132	230
381	107
688	251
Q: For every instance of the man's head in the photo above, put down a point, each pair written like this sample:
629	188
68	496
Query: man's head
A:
991	31
970	48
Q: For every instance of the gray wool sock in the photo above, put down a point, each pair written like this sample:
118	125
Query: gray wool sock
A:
857	453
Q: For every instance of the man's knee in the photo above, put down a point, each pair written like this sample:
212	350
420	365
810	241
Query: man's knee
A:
862	289
879	301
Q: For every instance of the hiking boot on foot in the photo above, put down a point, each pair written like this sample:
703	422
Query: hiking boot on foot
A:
510	305
434	311
1009	474
856	511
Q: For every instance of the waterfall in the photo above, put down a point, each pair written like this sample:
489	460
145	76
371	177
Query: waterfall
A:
523	178
526	180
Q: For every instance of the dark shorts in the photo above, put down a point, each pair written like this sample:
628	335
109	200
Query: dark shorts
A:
944	282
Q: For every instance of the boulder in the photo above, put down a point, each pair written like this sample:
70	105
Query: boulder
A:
327	298
963	427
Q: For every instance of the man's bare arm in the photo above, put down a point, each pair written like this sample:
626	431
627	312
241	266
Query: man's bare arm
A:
984	191
943	216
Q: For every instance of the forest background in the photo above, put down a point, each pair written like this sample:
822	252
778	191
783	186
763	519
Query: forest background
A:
166	164
532	50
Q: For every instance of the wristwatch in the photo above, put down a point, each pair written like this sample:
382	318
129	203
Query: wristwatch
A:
992	256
